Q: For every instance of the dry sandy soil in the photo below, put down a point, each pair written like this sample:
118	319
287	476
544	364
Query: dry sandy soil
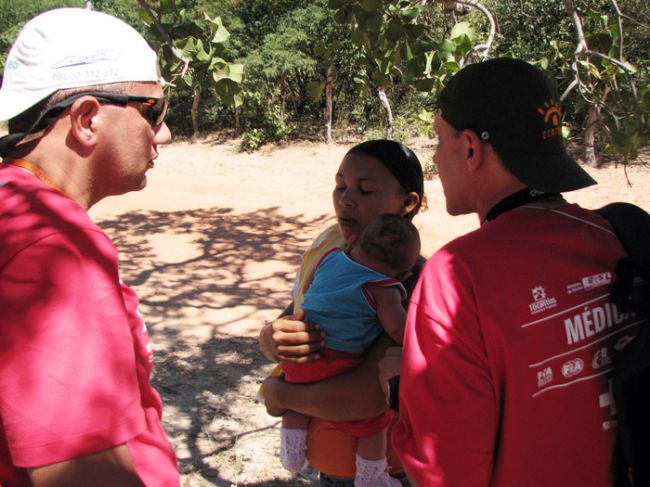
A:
211	246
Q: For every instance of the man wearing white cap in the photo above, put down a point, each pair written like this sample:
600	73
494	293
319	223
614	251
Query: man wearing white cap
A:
85	106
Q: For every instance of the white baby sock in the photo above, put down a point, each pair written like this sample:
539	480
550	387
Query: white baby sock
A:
293	443
374	473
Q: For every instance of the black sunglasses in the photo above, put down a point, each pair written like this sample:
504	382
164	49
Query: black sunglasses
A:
154	111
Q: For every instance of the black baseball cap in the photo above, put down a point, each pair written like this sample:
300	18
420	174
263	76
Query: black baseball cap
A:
515	107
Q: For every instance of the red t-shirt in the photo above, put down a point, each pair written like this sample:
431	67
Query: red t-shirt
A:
75	357
507	354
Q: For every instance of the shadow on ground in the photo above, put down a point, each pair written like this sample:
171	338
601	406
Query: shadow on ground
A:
207	383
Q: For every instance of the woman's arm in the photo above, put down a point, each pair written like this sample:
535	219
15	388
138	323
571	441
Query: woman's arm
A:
350	396
290	339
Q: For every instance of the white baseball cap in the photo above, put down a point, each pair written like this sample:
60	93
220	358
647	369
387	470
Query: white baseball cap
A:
70	48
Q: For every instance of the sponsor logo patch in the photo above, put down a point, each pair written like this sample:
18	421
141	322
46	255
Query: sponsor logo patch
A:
542	302
573	367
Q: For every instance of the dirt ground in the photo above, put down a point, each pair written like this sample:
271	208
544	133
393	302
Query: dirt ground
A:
211	246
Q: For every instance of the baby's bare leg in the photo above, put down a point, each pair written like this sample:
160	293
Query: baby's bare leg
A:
295	420
372	447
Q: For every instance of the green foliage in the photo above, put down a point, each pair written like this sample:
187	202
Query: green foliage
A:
268	123
541	31
408	47
252	140
14	14
200	40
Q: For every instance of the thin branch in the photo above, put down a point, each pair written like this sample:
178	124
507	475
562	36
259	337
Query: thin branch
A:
568	90
620	28
482	49
635	21
612	60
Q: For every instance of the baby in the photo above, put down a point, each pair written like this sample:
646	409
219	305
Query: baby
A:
354	296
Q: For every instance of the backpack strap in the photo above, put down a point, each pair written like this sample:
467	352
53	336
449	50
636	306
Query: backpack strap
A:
631	375
632	226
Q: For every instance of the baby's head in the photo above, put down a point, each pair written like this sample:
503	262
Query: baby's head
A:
389	244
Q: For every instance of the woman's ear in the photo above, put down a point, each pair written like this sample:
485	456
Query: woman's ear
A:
82	120
411	201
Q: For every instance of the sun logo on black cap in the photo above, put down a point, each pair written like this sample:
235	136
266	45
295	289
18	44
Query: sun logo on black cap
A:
552	117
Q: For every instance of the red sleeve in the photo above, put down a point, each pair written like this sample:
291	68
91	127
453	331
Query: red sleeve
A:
448	417
68	384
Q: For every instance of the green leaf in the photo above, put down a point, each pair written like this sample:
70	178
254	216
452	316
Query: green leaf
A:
566	132
186	45
188	79
371	5
394	31
167	6
464	44
452	66
448	46
222	34
233	72
373	24
236	72
203	56
409	14
408	54
237	100
461	28
604	20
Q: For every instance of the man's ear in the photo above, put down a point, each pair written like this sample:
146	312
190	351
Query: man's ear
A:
474	150
83	113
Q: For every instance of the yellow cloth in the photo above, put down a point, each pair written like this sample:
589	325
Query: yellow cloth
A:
329	239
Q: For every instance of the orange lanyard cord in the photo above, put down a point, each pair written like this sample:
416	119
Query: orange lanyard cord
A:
36	171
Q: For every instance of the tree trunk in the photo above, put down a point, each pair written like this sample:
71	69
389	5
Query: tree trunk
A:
390	130
327	116
194	111
237	121
591	155
283	92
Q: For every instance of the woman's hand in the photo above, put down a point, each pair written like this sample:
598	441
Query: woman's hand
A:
290	339
272	395
389	366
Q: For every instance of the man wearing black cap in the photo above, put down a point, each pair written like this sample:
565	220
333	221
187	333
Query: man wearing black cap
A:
508	343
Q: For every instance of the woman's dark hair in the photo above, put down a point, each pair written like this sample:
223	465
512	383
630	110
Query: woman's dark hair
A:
402	163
